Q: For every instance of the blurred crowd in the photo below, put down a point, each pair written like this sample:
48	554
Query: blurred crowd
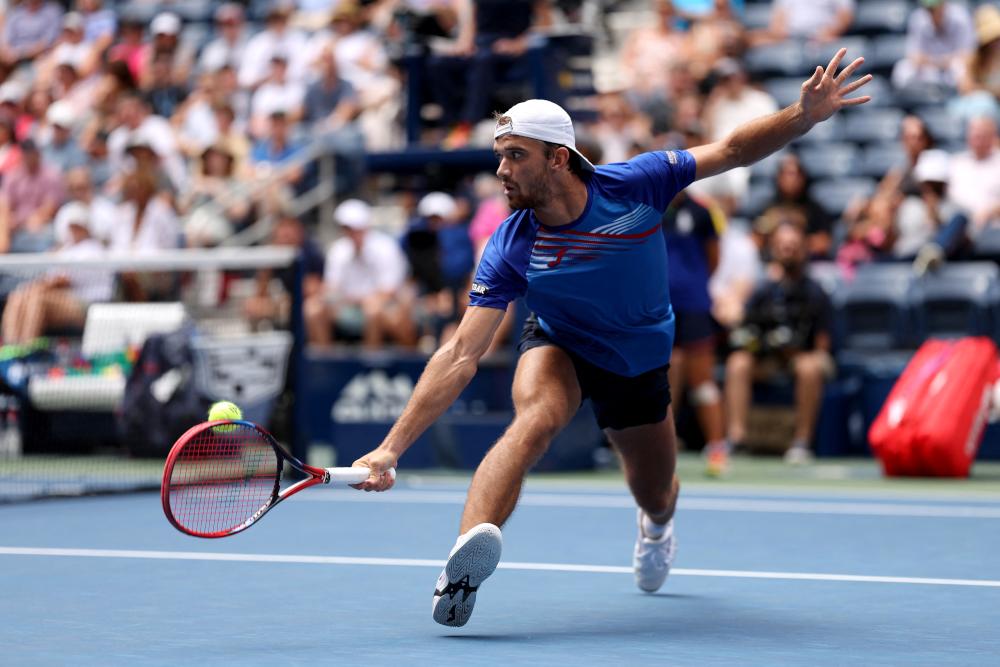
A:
136	126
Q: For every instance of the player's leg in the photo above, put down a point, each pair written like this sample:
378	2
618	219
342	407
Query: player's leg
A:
546	396
13	316
649	459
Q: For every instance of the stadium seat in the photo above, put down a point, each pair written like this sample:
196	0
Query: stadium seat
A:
885	52
820	54
830	130
829	160
757	197
836	193
756	15
877	159
781	59
944	127
827	274
873	18
986	245
959	299
873	311
866	125
766	169
786	90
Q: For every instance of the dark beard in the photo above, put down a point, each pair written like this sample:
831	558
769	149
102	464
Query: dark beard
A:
538	195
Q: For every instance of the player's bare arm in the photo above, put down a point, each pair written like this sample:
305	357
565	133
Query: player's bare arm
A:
824	94
447	373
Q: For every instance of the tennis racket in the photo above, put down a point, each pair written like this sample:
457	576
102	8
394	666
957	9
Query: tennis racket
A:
221	477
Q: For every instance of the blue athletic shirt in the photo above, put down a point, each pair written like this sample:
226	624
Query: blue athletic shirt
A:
598	284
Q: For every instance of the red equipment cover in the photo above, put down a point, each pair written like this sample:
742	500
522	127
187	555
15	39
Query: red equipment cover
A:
933	420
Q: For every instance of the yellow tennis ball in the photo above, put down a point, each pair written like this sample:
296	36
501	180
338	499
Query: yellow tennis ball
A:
224	410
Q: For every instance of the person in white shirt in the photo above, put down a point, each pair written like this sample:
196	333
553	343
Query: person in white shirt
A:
60	298
277	93
363	294
102	212
974	184
229	47
277	37
940	39
146	221
816	20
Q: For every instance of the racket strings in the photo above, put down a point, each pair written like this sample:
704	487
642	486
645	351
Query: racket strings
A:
222	479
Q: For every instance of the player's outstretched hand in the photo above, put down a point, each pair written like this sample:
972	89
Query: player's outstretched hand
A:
825	93
380	463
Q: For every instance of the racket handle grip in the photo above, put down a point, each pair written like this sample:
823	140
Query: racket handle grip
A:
352	475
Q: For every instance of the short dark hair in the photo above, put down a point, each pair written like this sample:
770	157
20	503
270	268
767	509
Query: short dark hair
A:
575	164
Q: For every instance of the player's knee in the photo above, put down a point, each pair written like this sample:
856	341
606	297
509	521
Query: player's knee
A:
706	393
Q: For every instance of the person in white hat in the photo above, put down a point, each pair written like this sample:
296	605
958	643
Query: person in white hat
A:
60	298
584	247
362	297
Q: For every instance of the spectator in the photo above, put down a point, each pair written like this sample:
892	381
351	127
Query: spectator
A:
363	297
229	47
440	254
99	25
59	300
649	54
137	122
166	29
146	222
493	35
716	35
31	27
792	201
915	138
731	103
619	127
163	93
939	41
786	329
215	204
330	102
277	37
61	149
362	61
98	164
129	47
737	274
71	50
10	152
275	150
29	197
265	305
974	184
930	227
102	213
277	92
819	21
692	256
980	88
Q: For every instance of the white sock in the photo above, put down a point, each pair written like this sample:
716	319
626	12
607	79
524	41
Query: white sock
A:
651	529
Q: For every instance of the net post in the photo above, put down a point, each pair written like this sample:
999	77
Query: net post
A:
296	367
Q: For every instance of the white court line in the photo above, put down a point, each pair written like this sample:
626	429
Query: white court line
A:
599	501
417	562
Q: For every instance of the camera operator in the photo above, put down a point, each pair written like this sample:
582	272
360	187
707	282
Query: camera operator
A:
786	328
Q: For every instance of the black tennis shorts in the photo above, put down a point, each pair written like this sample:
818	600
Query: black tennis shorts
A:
619	401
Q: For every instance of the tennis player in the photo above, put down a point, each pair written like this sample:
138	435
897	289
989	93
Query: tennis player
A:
583	247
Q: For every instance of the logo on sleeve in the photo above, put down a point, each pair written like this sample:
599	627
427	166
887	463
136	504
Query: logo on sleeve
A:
481	290
671	157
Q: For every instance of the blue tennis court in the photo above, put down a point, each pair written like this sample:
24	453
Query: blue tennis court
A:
763	576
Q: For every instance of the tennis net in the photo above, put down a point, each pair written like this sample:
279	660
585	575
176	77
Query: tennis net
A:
107	359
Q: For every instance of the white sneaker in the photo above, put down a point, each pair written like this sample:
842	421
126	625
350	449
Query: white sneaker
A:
652	558
474	557
798	456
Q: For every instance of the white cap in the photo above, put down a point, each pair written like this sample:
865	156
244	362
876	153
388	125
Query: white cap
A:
61	113
541	120
13	91
354	214
437	203
73	213
932	165
165	24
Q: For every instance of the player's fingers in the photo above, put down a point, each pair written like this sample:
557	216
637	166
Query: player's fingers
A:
831	69
855	101
851	87
849	70
814	79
